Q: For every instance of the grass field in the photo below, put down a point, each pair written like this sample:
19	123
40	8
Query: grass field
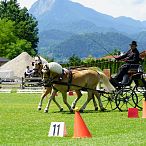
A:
22	124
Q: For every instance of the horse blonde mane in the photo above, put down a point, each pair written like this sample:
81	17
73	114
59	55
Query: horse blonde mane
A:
54	67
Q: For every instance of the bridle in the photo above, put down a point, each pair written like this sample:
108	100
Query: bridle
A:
48	80
37	67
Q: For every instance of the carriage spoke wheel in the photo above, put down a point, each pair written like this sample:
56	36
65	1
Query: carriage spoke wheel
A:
126	98
140	91
108	101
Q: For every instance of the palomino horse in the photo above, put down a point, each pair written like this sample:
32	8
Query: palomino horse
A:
38	65
85	79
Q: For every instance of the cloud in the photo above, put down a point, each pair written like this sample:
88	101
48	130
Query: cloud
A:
138	1
26	3
130	8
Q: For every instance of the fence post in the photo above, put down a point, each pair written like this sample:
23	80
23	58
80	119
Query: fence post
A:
107	73
22	85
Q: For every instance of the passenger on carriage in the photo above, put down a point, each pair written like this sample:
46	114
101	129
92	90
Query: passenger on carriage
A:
28	72
131	57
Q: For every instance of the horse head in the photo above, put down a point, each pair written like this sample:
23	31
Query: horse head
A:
51	71
37	66
48	76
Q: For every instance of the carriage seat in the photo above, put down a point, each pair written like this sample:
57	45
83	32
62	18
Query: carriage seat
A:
135	72
135	68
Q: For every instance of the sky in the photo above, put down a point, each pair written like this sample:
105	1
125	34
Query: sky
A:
135	9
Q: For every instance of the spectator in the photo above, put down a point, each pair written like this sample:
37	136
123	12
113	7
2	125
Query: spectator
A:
28	72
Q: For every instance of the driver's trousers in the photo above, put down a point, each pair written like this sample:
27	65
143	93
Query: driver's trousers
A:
122	71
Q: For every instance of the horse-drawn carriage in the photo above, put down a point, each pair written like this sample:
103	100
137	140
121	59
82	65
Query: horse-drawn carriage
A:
128	93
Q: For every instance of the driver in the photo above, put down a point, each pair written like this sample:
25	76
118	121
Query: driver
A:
131	57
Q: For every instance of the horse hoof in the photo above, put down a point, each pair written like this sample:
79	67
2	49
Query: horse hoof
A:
71	110
103	109
81	111
73	107
61	109
96	109
45	111
39	108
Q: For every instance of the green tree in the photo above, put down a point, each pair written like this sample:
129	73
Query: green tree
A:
115	52
25	24
89	60
10	44
74	60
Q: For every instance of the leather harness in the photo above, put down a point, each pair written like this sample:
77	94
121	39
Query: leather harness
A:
59	80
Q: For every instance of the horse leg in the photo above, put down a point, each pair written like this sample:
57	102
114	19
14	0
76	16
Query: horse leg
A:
49	101
60	108
79	94
95	103
47	91
99	101
64	95
87	101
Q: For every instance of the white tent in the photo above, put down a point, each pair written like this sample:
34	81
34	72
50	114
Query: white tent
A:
18	65
6	74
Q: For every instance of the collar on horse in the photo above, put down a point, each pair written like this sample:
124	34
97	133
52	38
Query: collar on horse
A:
58	80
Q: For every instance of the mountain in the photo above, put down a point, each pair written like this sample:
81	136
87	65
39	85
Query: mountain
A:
141	37
52	37
65	15
67	28
83	45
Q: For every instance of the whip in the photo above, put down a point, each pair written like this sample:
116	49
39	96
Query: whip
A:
104	48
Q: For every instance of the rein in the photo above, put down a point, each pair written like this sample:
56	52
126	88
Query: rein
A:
82	88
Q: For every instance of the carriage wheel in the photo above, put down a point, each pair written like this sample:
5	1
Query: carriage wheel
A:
108	101
140	91
126	98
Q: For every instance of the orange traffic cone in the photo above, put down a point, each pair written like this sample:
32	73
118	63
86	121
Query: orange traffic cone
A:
133	113
80	129
144	109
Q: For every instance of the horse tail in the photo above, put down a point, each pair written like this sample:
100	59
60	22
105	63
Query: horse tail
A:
106	82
